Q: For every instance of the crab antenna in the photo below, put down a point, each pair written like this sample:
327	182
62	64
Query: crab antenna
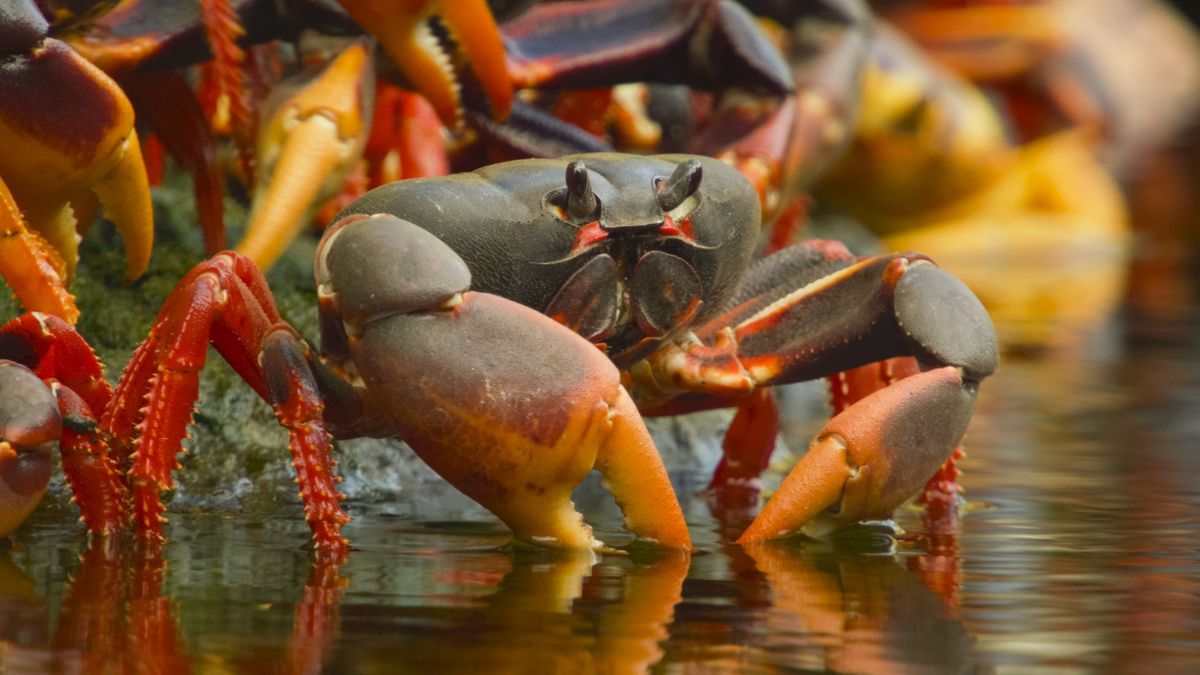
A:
681	185
581	201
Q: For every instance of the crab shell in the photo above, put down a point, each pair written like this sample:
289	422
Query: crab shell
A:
659	248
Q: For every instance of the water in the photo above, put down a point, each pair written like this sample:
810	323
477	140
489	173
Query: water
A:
1078	551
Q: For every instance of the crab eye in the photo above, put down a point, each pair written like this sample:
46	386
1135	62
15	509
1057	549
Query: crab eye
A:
677	195
577	203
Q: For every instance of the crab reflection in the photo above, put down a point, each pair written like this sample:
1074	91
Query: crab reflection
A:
115	616
859	613
594	615
531	611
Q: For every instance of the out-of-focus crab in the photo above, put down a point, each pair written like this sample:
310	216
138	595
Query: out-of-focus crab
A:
310	140
426	288
1025	53
67	127
68	142
298	138
932	166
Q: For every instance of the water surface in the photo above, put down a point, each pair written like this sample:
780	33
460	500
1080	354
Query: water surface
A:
1078	551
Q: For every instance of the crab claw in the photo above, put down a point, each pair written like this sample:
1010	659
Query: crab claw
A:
29	427
66	128
870	458
312	139
706	44
505	403
403	30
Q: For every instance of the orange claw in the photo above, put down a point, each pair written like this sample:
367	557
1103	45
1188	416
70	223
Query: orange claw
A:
53	153
307	147
402	28
868	459
30	265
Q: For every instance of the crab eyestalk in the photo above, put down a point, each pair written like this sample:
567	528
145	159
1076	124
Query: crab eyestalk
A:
681	185
581	200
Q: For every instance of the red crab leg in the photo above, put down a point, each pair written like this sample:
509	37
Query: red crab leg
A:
60	356
166	103
57	351
749	442
225	301
96	482
315	625
32	268
152	640
92	617
223	82
406	138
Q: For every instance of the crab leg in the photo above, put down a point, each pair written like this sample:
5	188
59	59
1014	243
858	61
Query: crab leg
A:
96	481
224	301
32	268
166	104
706	45
881	449
63	360
306	149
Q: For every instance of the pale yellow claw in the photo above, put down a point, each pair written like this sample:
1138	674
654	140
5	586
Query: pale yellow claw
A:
306	149
125	194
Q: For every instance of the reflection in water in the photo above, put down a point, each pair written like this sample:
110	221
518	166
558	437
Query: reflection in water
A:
1078	552
113	618
866	613
546	612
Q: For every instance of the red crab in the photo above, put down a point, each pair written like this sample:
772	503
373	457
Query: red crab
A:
488	319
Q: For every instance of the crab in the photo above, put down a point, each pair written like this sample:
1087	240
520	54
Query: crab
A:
57	162
490	318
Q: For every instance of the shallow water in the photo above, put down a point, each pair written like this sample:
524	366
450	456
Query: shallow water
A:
1078	551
